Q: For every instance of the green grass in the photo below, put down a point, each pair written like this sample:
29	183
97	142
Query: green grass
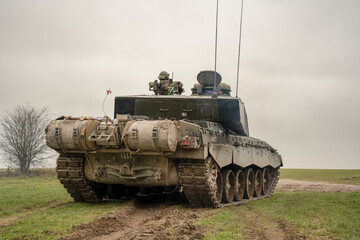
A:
316	214
313	214
40	208
324	175
310	214
51	223
224	225
23	193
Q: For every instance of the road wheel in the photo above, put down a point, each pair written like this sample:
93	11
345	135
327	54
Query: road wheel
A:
239	185
258	183
249	183
266	176
228	186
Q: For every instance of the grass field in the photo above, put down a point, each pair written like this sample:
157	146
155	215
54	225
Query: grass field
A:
301	214
40	208
323	175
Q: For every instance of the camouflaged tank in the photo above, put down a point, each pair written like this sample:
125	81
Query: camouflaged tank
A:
198	145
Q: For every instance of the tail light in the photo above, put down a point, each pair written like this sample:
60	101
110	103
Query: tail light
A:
190	142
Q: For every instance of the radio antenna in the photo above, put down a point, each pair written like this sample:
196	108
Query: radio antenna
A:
107	93
214	94
238	66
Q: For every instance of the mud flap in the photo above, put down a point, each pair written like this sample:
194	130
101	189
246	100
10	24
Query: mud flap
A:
221	153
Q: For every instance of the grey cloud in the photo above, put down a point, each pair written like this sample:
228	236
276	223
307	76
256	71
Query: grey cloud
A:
299	64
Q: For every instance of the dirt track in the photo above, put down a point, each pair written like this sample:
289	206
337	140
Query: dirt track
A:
166	221
294	185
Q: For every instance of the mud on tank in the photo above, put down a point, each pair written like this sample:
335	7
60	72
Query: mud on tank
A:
197	144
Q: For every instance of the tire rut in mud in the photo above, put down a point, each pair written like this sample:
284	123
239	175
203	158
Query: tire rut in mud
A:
144	221
260	227
20	214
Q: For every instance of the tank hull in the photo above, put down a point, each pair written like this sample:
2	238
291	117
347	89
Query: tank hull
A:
204	160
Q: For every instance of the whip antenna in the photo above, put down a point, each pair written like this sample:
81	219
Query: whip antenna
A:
238	66
107	93
214	94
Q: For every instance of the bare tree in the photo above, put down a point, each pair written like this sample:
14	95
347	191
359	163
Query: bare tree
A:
22	136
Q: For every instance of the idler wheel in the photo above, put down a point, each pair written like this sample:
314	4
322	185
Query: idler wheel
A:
266	177
239	185
228	186
249	183
258	183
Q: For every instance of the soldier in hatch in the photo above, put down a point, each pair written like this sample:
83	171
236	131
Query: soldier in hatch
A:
166	86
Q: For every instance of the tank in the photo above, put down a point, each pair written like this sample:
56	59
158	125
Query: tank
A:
197	145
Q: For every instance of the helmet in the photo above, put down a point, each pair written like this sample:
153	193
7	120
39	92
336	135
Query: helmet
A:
163	75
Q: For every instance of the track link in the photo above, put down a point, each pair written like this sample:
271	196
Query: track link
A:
194	179
70	172
274	181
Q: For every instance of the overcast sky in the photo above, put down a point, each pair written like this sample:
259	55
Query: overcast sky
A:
300	63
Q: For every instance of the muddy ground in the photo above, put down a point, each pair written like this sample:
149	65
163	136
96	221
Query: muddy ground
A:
141	220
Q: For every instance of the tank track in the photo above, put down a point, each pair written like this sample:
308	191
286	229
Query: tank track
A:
275	180
194	179
70	172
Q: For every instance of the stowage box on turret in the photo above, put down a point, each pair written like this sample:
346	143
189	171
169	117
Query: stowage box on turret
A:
198	144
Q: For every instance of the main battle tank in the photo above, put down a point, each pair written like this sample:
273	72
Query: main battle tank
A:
198	145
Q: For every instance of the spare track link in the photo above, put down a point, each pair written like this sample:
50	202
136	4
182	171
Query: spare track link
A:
193	179
70	172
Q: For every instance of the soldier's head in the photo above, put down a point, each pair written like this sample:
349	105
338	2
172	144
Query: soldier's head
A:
163	75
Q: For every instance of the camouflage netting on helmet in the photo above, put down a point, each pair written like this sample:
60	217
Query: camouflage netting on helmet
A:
163	75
